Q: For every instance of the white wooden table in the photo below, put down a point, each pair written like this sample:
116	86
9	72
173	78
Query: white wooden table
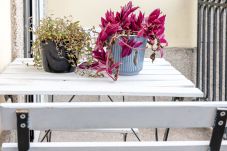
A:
156	79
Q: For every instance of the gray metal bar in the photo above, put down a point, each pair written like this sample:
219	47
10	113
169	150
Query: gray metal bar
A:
215	34
226	54
198	74
208	51
216	4
204	49
221	48
212	36
27	22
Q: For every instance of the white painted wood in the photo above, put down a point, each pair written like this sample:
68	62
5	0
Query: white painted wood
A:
33	83
19	61
29	61
119	146
114	115
111	130
107	89
13	67
157	62
34	71
157	79
76	77
36	136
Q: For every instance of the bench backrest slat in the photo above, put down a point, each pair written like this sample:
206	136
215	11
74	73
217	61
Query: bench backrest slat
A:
65	116
119	146
69	116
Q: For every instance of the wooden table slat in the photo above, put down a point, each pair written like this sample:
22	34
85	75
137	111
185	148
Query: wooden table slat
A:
156	79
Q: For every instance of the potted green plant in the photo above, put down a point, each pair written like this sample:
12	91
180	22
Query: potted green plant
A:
123	38
59	44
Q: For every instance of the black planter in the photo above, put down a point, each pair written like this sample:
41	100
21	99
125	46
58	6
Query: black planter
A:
52	62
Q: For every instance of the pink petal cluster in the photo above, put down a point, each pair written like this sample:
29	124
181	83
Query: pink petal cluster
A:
126	22
106	63
127	45
153	29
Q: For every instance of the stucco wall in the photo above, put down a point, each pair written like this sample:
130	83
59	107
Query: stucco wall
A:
17	28
5	36
181	15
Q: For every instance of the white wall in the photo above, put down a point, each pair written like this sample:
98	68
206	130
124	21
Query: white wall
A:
181	22
5	37
5	34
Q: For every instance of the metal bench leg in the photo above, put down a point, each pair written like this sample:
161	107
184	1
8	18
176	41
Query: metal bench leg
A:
156	129
23	133
125	135
225	135
47	135
30	99
156	134
166	134
9	97
218	130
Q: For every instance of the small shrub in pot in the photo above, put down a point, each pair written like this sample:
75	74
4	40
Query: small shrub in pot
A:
59	44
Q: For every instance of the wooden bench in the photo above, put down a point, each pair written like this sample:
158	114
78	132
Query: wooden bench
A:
65	116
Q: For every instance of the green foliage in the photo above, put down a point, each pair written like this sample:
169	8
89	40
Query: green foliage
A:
65	33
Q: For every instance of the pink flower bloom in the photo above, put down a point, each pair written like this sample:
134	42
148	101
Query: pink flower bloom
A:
153	15
108	31
110	18
123	18
126	22
106	63
136	22
125	12
112	68
154	30
127	46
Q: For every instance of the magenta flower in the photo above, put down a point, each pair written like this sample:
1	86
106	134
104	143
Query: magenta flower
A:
107	31
115	27
153	16
123	17
110	18
106	63
127	46
100	55
154	30
136	22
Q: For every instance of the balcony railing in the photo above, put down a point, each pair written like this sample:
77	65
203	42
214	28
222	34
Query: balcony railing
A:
212	49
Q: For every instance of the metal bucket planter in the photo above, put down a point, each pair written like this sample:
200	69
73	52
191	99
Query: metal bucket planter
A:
128	66
52	61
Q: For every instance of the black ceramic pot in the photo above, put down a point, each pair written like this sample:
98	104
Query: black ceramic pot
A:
52	62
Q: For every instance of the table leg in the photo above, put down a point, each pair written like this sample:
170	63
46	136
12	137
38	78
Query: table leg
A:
156	129
30	99
48	133
166	134
123	99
